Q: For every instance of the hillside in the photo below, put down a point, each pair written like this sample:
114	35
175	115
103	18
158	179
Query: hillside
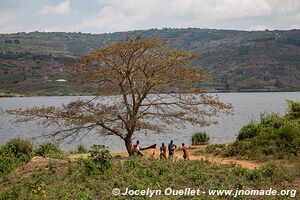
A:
31	63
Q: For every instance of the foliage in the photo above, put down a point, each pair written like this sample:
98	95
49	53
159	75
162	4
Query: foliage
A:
248	131
18	148
274	135
81	149
13	154
89	182
293	111
52	167
200	137
50	150
101	155
88	166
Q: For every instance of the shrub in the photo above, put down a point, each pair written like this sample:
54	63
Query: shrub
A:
289	135
81	149
18	148
199	137
89	166
275	135
272	121
13	154
293	111
101	155
254	175
50	150
268	170
248	131
52	167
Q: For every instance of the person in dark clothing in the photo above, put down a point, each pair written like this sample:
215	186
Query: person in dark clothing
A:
171	149
163	151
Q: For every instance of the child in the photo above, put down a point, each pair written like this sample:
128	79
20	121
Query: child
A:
186	154
136	149
163	151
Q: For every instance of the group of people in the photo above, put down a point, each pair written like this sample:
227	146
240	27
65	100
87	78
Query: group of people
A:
172	147
163	150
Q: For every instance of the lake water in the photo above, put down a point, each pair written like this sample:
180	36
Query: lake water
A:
247	107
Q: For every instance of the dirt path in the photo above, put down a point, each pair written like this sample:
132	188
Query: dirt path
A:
232	161
197	155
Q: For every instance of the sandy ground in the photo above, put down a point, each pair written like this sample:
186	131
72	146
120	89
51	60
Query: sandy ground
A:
195	154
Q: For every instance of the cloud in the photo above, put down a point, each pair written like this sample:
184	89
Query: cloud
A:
63	8
100	16
17	4
229	9
120	15
9	23
285	7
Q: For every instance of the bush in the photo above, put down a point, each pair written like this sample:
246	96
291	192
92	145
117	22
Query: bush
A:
89	166
18	148
13	154
81	149
254	175
101	155
293	111
50	150
199	137
272	121
248	131
275	135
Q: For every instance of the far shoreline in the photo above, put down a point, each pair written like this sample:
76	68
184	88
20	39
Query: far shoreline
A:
19	95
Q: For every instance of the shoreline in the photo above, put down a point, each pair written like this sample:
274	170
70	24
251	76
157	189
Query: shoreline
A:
19	95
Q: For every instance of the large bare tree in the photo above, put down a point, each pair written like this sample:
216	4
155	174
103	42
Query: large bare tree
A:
151	88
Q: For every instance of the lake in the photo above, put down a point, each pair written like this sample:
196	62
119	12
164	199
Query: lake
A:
247	107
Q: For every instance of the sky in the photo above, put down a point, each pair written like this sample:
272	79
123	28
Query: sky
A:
103	16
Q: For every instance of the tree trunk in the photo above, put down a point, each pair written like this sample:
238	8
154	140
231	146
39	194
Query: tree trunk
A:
129	147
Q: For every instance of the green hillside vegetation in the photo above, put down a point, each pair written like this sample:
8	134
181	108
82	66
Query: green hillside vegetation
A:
238	60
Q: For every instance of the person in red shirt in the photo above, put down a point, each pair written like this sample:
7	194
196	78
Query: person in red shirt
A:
186	154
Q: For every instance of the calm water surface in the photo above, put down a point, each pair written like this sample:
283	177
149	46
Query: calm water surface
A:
247	106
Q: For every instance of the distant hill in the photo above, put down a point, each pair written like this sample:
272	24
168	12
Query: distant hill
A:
38	62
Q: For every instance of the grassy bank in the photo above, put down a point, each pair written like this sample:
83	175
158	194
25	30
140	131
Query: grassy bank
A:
84	179
59	175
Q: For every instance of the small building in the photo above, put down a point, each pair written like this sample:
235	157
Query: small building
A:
61	80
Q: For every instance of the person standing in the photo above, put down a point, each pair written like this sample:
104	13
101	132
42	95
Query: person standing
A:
186	154
171	148
163	151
